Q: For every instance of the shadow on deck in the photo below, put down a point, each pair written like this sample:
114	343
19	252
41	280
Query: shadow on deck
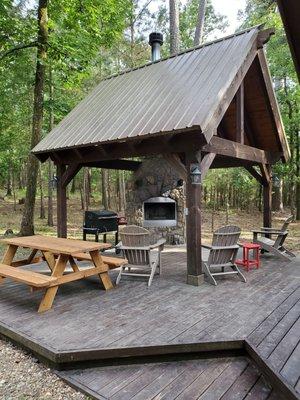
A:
237	322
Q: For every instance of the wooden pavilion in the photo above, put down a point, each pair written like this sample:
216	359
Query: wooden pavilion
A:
212	106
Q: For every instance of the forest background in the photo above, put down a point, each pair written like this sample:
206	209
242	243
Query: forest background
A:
52	52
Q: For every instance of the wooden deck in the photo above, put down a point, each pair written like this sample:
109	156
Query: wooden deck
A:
169	317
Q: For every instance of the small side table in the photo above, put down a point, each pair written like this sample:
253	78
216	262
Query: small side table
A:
249	262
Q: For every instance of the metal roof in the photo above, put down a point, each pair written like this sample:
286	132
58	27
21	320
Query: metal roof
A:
172	94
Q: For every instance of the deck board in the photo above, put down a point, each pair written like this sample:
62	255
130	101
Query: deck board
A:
265	311
226	378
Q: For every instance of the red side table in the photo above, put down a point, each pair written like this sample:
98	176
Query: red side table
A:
249	262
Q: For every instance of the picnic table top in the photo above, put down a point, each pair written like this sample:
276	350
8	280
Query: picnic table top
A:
55	245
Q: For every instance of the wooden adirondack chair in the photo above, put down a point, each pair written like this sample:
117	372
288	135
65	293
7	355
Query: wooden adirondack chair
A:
274	246
144	258
222	255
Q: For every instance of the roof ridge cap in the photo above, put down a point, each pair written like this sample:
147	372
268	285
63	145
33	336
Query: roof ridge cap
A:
212	42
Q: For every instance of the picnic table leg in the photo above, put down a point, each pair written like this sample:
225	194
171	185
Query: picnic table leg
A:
50	294
50	259
73	264
104	277
8	257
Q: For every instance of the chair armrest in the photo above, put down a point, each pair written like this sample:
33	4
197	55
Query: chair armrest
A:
233	247
134	248
270	232
206	246
159	244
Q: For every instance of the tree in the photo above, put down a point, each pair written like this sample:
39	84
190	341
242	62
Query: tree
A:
174	26
200	23
27	224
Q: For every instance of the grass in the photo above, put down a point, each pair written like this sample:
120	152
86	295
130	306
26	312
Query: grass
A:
10	219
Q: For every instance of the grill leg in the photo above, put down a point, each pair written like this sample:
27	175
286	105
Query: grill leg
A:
84	235
97	236
104	237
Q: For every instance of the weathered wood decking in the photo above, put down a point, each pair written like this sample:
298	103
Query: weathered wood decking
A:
226	378
87	323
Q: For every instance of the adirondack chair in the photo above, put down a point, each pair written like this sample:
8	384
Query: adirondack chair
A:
222	255
274	246
144	258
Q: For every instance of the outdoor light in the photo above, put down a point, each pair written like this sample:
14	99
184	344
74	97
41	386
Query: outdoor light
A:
53	182
275	181
195	174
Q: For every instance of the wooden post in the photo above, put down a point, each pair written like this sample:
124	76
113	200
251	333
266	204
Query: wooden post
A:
267	194
267	200
193	224
61	203
240	115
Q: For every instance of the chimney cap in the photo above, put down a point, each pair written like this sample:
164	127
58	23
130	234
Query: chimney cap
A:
156	37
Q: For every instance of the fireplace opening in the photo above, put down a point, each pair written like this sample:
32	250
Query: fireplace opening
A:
159	212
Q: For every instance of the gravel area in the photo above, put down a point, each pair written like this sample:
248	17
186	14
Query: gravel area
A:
24	377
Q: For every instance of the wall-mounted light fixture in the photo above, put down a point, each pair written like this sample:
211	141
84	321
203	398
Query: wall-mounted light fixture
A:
275	181
53	182
195	174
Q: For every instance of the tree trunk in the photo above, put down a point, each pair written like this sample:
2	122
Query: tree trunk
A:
277	204
86	188
200	23
50	169
42	208
9	180
121	191
27	224
104	176
297	176
174	26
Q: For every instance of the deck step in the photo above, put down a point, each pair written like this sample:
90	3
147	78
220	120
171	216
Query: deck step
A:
34	279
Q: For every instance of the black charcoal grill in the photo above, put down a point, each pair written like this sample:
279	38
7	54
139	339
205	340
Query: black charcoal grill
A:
100	222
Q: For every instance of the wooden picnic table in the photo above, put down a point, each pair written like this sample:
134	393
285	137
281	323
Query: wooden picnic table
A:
57	252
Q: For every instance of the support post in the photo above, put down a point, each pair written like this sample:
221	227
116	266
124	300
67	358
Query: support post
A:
267	195
193	224
61	203
267	199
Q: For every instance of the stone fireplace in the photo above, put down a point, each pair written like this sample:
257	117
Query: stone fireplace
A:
155	199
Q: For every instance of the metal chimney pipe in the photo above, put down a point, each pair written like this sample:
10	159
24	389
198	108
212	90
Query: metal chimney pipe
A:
156	39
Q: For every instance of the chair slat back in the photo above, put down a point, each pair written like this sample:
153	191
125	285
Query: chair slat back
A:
286	223
226	236
135	236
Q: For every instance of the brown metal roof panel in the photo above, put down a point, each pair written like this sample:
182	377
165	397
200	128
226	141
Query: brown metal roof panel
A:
171	94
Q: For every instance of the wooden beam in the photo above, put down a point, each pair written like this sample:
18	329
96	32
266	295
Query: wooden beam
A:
264	36
232	149
206	163
61	203
69	174
193	224
125	165
252	171
274	108
179	143
240	130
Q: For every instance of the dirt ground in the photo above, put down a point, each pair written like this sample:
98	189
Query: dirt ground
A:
10	219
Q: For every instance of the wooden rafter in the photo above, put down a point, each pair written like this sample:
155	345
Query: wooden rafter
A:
274	108
240	112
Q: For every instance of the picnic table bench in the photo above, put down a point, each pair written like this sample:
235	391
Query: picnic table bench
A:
57	252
